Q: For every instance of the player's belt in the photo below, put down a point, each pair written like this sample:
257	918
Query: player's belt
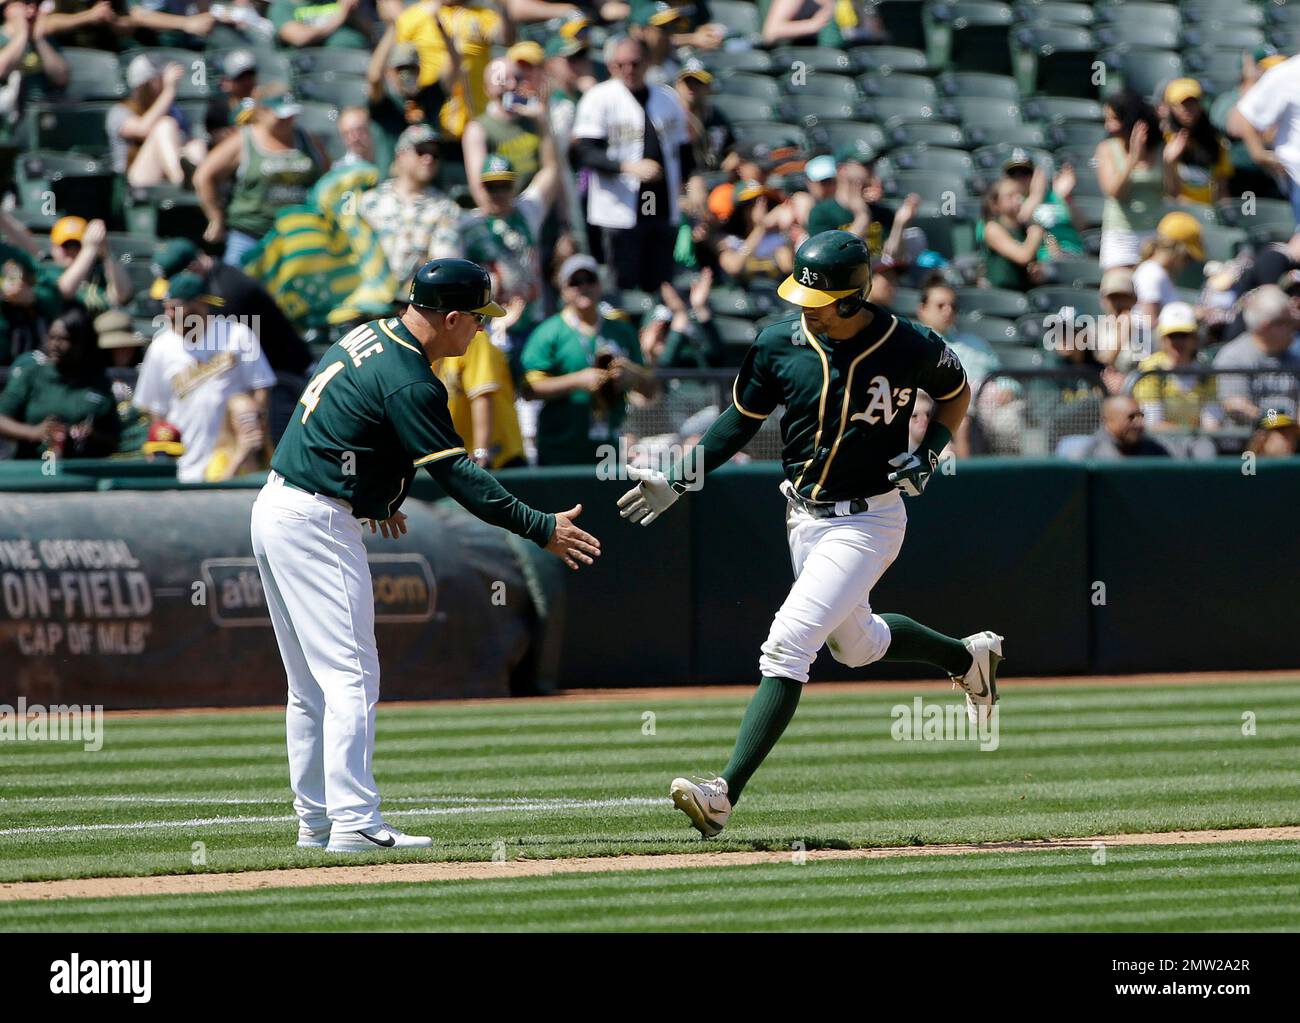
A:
276	477
825	509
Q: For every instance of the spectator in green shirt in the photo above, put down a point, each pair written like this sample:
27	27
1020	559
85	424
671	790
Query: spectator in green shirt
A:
61	400
27	304
344	23
1010	248
82	266
581	364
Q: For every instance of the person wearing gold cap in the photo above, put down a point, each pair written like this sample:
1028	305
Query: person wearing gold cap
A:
1193	145
1173	399
83	265
1176	243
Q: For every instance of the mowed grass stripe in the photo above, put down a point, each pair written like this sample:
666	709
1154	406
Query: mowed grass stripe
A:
1138	888
1168	758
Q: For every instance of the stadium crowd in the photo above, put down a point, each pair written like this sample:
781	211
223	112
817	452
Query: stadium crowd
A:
1096	204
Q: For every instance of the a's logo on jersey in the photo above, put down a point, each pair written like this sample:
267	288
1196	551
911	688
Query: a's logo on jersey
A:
949	358
883	402
807	277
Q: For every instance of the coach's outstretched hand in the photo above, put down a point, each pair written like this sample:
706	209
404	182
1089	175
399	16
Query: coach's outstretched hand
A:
649	499
392	527
576	546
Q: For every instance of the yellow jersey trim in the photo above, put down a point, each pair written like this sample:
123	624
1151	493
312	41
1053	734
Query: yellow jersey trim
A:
952	394
445	453
844	408
405	344
533	375
821	405
735	400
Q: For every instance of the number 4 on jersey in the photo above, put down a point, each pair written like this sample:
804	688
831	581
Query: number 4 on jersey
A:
311	396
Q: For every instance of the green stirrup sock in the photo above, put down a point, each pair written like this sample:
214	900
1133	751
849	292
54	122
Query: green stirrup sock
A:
912	641
765	719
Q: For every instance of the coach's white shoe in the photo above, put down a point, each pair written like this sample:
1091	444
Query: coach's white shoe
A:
704	802
385	836
981	681
313	839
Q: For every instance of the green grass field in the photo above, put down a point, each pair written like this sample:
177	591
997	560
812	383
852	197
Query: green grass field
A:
541	779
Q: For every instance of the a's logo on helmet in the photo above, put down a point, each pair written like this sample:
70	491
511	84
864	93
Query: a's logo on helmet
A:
807	277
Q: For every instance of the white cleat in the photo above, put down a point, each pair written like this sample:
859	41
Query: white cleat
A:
378	839
981	681
313	839
704	802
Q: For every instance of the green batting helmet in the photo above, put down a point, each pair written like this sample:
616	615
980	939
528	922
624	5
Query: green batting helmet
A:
828	267
453	284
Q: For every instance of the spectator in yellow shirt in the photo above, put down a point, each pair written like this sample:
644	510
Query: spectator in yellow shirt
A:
481	398
1170	400
1193	145
473	30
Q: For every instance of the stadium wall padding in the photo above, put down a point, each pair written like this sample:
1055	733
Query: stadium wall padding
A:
1140	566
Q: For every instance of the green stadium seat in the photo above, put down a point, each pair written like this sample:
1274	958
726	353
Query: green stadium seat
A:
903	20
970	35
735	331
140	274
904	132
1217	70
838	87
1139	13
1052	298
1076	133
92	74
1218	33
993	302
814	59
882	59
1050	12
900	85
1146	72
1089	208
740	16
885	108
810	111
858	135
635	303
773	133
1062	108
952	236
994	329
1080	156
194	83
272	65
1054	59
979	83
743	83
740	302
342	90
929	158
1150	36
1026	135
1076	272
1276	14
82	185
744	108
164	211
132	248
969	110
1091	240
317	59
1012	358
1231	12
55	127
757	61
1269	216
720	61
931	186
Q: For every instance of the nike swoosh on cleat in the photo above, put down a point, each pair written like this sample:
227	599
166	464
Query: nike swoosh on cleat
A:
371	838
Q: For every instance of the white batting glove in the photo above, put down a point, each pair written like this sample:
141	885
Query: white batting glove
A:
649	499
911	474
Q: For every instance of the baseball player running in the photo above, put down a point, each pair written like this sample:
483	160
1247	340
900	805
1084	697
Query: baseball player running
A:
371	416
847	373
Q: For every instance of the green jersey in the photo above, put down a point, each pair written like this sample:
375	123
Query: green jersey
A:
847	403
374	413
571	429
37	390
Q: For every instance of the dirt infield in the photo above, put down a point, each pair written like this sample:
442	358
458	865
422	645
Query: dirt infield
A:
385	873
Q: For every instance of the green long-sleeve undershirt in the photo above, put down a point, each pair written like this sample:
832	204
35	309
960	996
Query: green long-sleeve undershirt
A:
479	493
729	433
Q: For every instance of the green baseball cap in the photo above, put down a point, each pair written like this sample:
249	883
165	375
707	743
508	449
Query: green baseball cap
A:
169	259
185	286
655	12
564	46
284	105
497	168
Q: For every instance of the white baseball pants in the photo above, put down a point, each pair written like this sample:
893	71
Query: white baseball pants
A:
836	563
317	582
